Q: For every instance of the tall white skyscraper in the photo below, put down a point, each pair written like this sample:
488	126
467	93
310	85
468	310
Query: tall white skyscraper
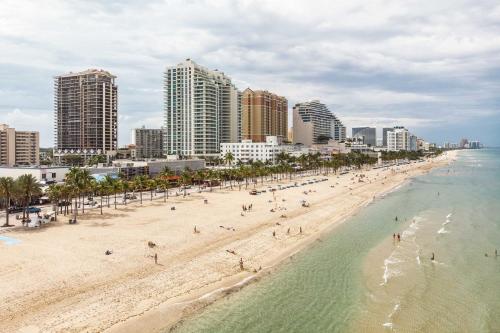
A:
202	110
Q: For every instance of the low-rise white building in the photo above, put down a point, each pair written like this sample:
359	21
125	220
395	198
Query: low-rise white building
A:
246	150
43	174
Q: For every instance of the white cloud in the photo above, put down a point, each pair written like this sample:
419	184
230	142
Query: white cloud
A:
421	60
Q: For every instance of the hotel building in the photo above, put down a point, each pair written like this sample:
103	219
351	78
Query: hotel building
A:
148	142
202	109
263	114
313	123
368	135
86	113
18	147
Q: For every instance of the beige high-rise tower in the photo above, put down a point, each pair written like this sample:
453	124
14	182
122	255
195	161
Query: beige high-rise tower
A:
263	114
18	147
86	113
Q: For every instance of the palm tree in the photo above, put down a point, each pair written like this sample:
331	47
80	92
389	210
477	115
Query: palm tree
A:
185	179
28	187
115	187
126	187
7	188
229	157
55	194
151	185
140	184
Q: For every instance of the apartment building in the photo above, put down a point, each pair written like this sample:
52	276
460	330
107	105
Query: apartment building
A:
202	109
263	114
313	124
18	147
367	135
148	142
398	139
85	113
338	130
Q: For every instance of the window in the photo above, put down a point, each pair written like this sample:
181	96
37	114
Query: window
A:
53	175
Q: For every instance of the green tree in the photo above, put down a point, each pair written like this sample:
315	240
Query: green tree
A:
28	187
7	188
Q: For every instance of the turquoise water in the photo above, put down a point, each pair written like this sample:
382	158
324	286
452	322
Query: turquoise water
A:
359	280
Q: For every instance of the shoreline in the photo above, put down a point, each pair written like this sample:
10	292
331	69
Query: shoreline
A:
214	273
156	321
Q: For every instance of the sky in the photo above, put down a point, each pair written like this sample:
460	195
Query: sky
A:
432	66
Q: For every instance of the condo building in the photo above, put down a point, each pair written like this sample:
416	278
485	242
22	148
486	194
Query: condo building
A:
148	142
312	124
367	135
338	130
384	135
202	109
263	114
399	139
86	113
18	147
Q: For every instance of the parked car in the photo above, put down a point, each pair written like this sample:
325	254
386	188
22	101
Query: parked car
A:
253	192
130	196
64	203
33	210
15	210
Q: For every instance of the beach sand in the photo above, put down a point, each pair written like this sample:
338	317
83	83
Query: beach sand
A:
58	278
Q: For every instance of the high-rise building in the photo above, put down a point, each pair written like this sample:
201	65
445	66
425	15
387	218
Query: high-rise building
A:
202	110
148	142
263	114
18	147
86	113
312	123
338	130
384	135
368	135
398	139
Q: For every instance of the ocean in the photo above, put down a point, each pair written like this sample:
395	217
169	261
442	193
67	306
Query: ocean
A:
360	279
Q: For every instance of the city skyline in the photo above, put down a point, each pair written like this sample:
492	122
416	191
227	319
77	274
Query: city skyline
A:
435	75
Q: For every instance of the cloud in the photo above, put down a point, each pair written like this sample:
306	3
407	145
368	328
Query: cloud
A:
425	65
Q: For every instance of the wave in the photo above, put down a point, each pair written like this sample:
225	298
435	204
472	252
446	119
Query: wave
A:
388	272
443	231
389	323
448	216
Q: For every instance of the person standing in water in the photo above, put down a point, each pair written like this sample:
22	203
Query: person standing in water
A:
399	237
432	258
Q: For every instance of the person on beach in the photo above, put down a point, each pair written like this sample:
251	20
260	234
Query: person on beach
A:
393	236
274	233
288	231
195	230
300	230
241	264
156	258
399	237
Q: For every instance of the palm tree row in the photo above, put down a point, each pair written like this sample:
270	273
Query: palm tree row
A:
19	192
80	187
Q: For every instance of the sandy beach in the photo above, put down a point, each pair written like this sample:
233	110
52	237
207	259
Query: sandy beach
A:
58	278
